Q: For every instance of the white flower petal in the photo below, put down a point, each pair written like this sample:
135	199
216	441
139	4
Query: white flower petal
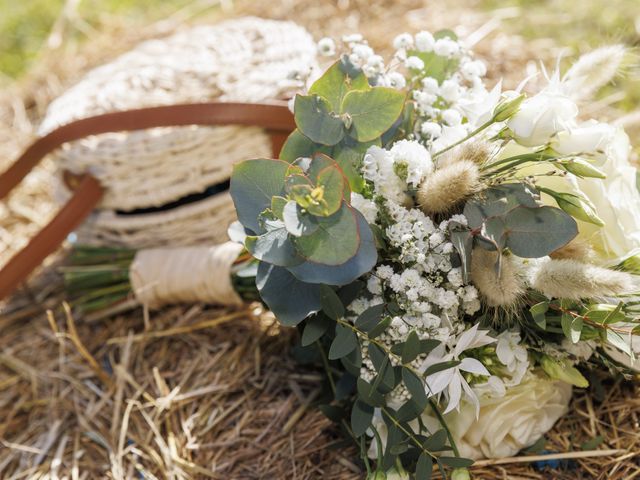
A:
437	382
455	393
474	366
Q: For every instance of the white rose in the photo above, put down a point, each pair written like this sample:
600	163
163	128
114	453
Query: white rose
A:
506	424
509	423
616	198
590	137
542	116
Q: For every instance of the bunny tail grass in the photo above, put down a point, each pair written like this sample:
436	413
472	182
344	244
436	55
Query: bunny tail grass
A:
574	280
477	152
594	70
576	249
502	289
448	186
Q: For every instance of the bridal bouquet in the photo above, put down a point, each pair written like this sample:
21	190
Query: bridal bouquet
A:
454	255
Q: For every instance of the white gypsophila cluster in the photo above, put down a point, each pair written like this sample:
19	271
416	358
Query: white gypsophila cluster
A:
421	280
451	108
394	171
366	207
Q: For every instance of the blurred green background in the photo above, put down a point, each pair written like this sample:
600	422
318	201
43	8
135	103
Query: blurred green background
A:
25	26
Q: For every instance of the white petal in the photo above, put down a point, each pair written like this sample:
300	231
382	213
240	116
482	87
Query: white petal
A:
455	392
437	382
474	366
465	339
471	396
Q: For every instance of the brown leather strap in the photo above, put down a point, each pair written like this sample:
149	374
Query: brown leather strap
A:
83	201
274	117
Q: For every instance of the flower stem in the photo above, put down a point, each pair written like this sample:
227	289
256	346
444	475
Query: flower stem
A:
434	407
442	421
459	142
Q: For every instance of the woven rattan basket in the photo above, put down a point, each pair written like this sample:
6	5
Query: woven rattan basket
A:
168	185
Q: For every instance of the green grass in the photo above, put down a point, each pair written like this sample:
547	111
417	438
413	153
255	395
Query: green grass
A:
582	25
26	24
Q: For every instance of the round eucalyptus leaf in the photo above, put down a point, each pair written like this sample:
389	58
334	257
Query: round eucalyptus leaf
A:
253	184
274	247
296	221
372	112
336	82
288	298
537	232
363	262
314	118
336	240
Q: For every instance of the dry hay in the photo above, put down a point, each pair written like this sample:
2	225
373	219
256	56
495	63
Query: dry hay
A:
204	393
192	392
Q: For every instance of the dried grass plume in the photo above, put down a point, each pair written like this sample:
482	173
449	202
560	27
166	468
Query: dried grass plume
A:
593	70
448	186
575	280
477	152
576	249
503	290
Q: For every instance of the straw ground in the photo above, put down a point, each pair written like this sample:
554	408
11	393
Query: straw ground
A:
194	392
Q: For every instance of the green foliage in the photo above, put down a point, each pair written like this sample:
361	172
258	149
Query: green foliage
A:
340	229
343	344
577	206
581	168
337	81
254	183
287	297
315	119
562	370
538	312
372	112
316	326
511	216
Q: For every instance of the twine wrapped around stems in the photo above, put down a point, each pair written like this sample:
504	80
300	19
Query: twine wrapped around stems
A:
185	275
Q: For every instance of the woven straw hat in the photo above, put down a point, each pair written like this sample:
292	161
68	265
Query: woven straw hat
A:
167	186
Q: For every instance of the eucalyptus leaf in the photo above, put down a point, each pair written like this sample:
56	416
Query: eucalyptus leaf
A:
332	181
362	262
361	417
331	304
274	247
336	240
371	317
372	112
424	467
456	462
277	206
314	118
499	200
316	326
288	298
411	347
368	394
462	240
350	155
537	232
538	312
298	145
336	82
253	184
416	387
343	344
296	221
